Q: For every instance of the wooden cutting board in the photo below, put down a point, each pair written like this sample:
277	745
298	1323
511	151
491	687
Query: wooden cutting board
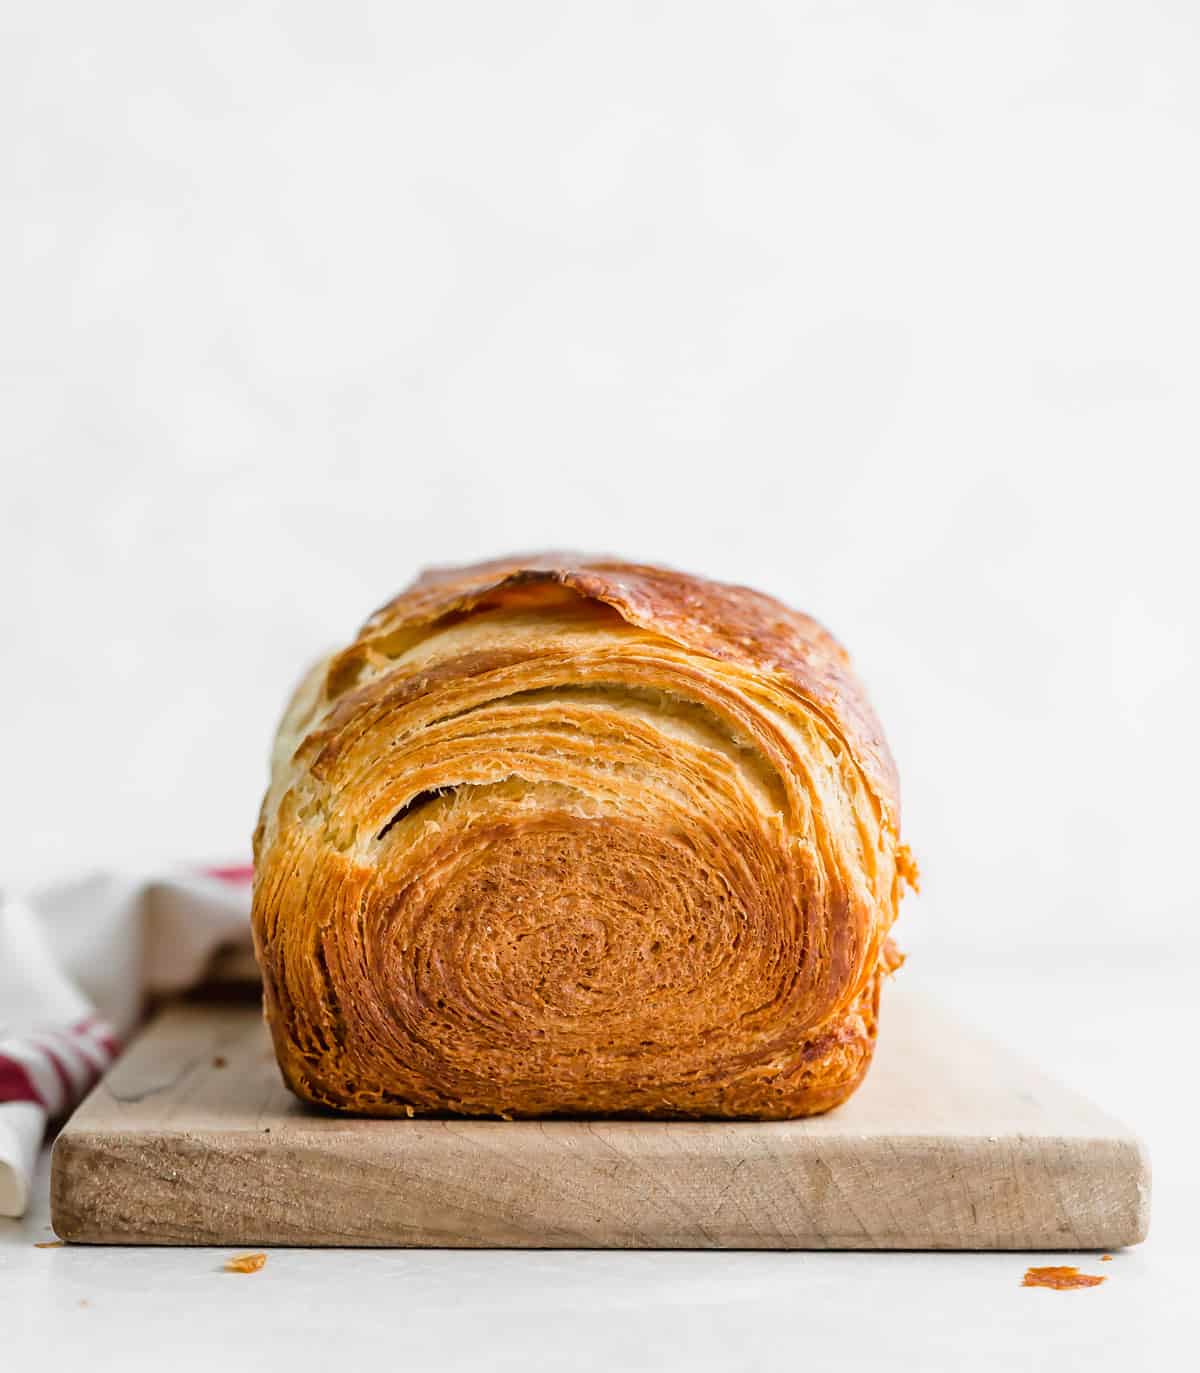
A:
951	1144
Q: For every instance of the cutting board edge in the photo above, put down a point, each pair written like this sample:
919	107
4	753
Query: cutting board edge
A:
89	1203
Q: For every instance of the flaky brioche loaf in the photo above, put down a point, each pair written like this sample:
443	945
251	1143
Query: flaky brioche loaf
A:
554	836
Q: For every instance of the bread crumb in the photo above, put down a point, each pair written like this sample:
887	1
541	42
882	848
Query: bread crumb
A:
906	867
245	1263
220	1061
49	1244
1106	1258
1060	1278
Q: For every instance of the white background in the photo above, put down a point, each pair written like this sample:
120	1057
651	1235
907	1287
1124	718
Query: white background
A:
888	309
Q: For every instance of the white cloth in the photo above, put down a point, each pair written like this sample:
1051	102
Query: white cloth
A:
77	963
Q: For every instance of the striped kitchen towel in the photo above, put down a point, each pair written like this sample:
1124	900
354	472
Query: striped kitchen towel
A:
77	964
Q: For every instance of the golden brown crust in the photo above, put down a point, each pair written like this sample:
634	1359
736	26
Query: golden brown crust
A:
733	623
557	835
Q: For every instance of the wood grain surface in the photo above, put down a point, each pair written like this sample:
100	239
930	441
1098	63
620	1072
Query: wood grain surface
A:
951	1144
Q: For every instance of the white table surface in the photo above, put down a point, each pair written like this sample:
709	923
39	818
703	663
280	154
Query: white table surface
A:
1124	1035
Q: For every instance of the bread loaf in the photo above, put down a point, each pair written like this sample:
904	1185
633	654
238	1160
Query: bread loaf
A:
566	836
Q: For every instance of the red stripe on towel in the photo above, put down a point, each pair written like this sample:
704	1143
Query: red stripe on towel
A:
236	875
16	1084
